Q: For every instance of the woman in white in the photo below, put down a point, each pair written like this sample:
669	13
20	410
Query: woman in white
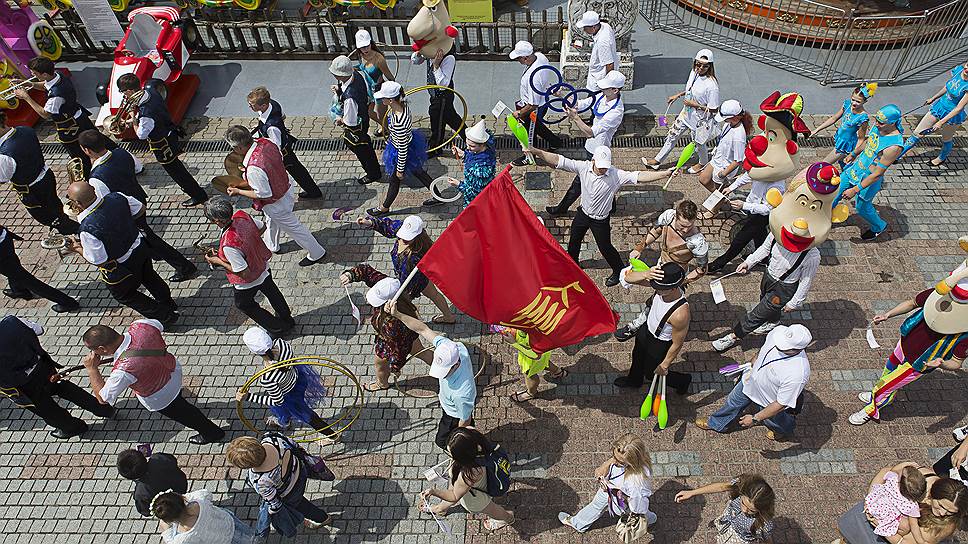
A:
625	485
727	162
193	519
701	101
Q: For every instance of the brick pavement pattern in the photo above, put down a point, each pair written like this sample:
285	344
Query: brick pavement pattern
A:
69	492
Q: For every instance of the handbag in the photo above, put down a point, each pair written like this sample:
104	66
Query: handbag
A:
631	527
316	468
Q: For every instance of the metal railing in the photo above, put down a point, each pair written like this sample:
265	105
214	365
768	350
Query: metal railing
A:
822	42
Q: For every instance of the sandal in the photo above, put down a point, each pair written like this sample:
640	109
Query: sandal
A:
374	387
494	525
651	164
439	320
521	396
562	374
427	509
696	168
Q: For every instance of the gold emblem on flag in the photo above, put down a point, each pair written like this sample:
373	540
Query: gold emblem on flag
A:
544	312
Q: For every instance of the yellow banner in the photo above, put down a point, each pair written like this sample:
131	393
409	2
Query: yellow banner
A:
471	11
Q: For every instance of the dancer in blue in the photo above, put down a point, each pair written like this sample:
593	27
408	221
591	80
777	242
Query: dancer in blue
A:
853	123
868	163
947	113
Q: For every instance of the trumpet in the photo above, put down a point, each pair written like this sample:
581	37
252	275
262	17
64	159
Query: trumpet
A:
75	170
10	92
118	122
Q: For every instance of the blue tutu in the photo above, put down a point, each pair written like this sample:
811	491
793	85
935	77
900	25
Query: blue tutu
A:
416	154
299	403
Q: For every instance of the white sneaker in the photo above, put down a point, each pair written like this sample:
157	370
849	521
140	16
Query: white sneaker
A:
960	433
651	517
859	418
565	519
865	396
764	328
724	343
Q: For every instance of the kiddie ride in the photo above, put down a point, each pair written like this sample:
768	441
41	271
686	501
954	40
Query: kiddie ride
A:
156	47
22	37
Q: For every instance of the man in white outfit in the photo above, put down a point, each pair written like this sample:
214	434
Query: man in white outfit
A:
271	192
604	57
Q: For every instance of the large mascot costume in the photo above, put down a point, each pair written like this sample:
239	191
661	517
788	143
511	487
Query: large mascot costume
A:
433	45
799	221
935	334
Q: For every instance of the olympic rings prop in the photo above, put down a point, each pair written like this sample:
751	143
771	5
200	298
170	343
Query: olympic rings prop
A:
323	362
396	376
463	121
569	100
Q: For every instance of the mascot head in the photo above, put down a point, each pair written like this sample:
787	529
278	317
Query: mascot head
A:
801	217
772	154
946	310
430	29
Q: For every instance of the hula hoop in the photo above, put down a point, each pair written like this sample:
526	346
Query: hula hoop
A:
438	185
547	92
396	383
463	121
311	361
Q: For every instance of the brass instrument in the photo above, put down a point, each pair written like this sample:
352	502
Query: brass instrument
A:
9	92
75	170
56	241
118	122
205	249
233	169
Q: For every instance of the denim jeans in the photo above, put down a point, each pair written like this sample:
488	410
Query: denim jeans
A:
782	423
591	512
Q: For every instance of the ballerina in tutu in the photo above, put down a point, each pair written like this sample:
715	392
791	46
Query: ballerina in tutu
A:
406	150
291	393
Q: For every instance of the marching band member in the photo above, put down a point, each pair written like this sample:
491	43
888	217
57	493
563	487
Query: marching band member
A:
109	239
143	364
22	165
70	118
245	258
25	378
271	192
272	125
352	107
23	284
531	98
113	171
153	123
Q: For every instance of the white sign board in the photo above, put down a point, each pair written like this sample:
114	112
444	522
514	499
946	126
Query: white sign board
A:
97	15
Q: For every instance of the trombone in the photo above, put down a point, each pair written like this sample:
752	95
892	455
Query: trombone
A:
10	92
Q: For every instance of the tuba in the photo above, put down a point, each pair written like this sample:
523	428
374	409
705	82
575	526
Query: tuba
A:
75	170
118	122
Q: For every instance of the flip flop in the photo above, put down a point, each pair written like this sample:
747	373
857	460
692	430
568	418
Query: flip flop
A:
373	387
521	396
562	374
439	320
494	525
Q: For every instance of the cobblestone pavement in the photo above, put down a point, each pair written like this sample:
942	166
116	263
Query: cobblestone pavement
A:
72	490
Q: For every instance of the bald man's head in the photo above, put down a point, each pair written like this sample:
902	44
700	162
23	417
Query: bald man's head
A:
81	193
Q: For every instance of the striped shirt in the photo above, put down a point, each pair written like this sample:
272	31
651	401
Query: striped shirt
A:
401	133
279	381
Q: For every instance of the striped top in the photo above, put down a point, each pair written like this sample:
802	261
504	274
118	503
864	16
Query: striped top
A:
279	381
401	133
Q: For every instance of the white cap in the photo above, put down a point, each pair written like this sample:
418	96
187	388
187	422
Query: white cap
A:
728	109
790	338
602	157
341	66
589	18
389	89
257	340
704	54
412	226
446	356
382	291
521	49
363	38
612	80
478	133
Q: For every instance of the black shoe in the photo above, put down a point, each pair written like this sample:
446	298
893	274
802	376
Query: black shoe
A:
554	211
61	308
171	319
306	261
625	333
183	275
24	295
310	196
188	203
376	212
364	180
61	434
611	280
432	202
624	381
870	234
684	390
202	440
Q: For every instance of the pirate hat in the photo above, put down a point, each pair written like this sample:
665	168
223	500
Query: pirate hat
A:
792	105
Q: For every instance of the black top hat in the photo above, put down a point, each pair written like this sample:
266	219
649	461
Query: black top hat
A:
672	276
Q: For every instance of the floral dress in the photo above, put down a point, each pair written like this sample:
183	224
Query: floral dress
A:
392	340
402	263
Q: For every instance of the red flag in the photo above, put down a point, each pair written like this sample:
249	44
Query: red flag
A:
499	264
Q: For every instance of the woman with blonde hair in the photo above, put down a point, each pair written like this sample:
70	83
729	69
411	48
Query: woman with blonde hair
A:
748	516
625	485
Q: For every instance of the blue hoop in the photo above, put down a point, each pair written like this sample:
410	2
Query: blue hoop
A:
549	91
550	95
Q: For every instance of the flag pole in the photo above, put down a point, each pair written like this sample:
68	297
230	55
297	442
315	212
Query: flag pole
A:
404	285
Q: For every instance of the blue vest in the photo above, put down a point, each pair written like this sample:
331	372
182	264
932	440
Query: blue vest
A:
20	350
112	224
64	88
357	93
876	144
117	172
24	147
275	119
155	109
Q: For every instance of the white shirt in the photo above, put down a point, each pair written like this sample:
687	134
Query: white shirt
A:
637	488
541	82
54	104
776	376
731	147
604	53
237	259
93	248
597	191
443	74
273	133
704	90
119	380
756	199
8	165
657	311
604	127
257	177
351	114
145	124
781	260
36	327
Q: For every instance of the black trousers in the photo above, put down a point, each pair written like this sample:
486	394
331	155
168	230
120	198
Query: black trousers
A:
296	499
324	426
245	301
647	354
538	128
446	426
43	205
774	295
602	231
299	172
755	228
166	151
393	189
574	190
442	113
41	391
67	136
138	271
160	250
189	415
23	282
361	145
